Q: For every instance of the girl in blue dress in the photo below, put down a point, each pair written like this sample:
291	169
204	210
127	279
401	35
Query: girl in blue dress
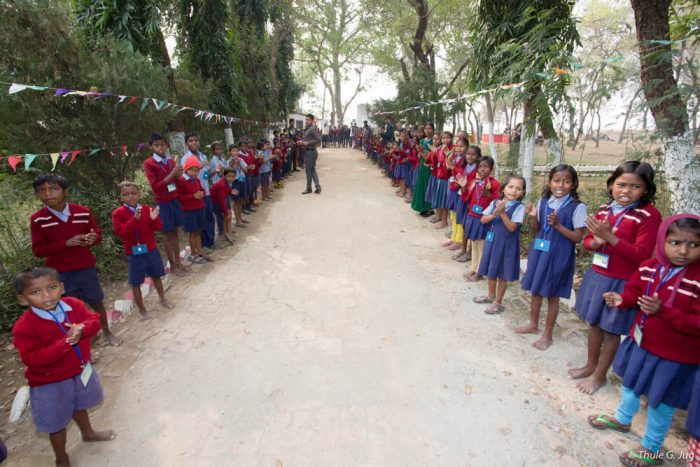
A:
559	220
501	259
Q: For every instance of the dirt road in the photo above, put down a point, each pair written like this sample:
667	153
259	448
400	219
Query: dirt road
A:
339	333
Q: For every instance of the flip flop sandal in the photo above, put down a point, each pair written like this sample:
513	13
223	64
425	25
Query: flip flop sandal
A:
454	246
447	243
483	299
602	422
494	309
474	278
461	259
634	458
434	221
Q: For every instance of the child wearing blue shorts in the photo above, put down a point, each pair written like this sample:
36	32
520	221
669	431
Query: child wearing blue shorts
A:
136	224
63	234
53	340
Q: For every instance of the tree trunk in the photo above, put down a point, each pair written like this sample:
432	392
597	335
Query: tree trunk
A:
597	131
176	140
681	164
553	143
489	130
527	147
627	115
228	136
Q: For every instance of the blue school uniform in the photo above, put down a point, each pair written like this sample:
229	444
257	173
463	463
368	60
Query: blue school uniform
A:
501	258
550	273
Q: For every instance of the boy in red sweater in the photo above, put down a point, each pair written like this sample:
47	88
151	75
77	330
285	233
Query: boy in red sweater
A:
162	173
220	192
136	224
62	234
53	340
191	196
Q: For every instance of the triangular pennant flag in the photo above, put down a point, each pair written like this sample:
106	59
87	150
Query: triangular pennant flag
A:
73	155
121	99
94	151
61	91
140	146
158	104
64	154
198	113
54	159
560	71
124	150
144	104
38	88
131	100
15	88
28	159
181	109
13	161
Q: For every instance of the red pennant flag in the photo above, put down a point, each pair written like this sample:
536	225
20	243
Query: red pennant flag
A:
124	150
131	100
73	155
13	161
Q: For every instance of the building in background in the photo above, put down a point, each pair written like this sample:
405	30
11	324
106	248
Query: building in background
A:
362	114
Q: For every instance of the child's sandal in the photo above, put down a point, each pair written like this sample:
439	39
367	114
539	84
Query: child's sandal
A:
604	422
484	299
494	309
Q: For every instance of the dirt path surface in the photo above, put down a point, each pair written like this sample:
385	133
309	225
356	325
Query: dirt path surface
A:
337	333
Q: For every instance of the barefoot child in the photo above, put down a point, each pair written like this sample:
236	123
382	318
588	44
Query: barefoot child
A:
442	175
136	224
621	235
501	260
53	340
473	158
191	195
63	234
660	357
559	220
220	193
480	192
162	173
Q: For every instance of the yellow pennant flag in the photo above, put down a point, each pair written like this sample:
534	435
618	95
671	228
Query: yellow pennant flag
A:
54	159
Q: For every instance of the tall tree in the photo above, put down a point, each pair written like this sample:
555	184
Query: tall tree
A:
681	164
331	38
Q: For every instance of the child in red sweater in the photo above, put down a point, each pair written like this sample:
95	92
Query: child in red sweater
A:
63	235
162	173
53	340
220	192
621	235
191	196
660	357
136	224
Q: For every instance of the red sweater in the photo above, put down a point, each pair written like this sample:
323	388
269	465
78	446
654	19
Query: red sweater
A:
126	227
186	190
673	332
637	235
458	169
42	345
156	173
50	234
442	172
477	191
219	192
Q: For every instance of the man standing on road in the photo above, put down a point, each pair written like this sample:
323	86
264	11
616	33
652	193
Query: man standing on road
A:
308	144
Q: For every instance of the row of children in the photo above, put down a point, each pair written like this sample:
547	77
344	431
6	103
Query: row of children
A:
644	282
53	335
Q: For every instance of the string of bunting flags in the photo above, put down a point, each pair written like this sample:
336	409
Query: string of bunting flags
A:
145	102
65	157
543	75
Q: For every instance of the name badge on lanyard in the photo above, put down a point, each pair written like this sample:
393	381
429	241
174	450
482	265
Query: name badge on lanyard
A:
542	244
86	371
601	260
171	187
489	236
476	209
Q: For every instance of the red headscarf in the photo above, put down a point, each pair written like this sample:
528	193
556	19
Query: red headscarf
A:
660	254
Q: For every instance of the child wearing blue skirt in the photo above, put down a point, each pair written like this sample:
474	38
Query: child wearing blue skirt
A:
501	260
480	192
559	220
442	175
660	357
621	235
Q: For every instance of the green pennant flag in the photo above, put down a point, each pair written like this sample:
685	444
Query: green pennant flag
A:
577	66
28	159
94	151
144	104
619	58
541	75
